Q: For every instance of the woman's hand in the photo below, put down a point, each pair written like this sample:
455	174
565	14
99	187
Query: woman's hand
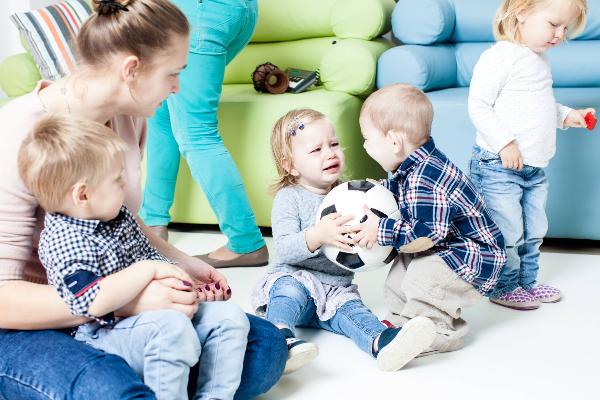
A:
163	294
511	156
212	284
212	292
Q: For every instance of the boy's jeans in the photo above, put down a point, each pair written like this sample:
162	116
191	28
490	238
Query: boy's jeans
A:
290	304
187	123
163	345
517	203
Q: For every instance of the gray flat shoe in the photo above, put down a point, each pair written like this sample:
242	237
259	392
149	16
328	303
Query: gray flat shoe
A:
257	258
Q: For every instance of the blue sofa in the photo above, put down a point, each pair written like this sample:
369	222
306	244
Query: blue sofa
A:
442	41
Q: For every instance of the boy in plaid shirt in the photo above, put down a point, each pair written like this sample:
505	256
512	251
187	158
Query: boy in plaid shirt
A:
98	260
451	252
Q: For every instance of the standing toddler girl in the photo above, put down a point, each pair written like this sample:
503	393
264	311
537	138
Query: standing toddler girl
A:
512	106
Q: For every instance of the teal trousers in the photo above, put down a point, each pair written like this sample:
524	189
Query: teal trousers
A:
186	124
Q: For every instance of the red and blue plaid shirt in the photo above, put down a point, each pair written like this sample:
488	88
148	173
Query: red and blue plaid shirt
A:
439	202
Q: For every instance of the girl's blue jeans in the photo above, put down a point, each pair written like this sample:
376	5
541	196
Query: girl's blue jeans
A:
517	203
290	304
186	123
51	365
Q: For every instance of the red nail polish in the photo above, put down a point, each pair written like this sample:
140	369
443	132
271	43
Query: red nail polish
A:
207	287
187	283
218	286
228	291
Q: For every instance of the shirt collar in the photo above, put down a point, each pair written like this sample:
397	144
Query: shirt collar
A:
87	226
416	157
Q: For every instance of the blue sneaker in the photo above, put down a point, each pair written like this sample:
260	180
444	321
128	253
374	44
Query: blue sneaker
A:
397	346
300	352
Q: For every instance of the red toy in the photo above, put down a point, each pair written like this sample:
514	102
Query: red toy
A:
590	121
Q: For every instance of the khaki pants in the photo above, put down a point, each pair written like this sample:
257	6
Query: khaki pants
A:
426	286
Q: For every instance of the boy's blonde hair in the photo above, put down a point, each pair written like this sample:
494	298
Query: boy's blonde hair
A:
506	23
400	107
62	151
289	125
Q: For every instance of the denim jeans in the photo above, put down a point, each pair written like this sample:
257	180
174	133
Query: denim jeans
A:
51	365
517	203
290	304
187	123
162	346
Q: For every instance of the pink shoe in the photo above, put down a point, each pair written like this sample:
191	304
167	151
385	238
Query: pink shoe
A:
519	299
545	293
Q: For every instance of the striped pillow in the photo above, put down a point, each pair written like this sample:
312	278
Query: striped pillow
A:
50	32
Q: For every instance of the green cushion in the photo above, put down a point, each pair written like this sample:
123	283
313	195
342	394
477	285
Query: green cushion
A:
284	20
245	122
18	75
351	65
361	19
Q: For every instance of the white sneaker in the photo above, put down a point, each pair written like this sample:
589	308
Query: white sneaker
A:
300	352
412	338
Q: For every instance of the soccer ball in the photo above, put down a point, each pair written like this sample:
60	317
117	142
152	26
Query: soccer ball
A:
349	198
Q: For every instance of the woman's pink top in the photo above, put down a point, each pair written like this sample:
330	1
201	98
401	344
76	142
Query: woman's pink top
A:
21	220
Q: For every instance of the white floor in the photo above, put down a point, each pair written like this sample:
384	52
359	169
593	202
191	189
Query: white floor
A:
550	353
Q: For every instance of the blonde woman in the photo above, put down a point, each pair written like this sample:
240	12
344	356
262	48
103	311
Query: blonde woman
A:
130	57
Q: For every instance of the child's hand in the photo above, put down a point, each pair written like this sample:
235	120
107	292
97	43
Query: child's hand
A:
374	181
511	156
164	270
366	235
330	230
576	118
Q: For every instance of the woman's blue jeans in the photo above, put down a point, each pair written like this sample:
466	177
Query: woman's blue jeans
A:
187	123
51	365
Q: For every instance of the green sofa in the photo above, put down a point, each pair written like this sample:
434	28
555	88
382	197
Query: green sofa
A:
340	38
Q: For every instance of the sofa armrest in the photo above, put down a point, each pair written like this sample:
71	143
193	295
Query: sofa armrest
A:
426	67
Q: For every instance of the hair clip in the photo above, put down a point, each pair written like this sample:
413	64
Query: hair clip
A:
110	7
295	124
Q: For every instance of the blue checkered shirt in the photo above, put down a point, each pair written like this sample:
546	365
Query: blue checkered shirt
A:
78	254
438	201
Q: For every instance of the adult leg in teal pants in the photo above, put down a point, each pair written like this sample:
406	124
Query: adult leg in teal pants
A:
187	123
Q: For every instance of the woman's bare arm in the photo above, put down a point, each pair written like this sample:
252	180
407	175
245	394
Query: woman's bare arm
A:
29	306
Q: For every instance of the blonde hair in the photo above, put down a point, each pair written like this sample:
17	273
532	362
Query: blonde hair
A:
62	151
139	27
285	128
506	23
400	107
